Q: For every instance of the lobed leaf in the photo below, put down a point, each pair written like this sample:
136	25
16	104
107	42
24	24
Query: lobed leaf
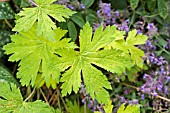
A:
129	46
10	97
41	14
108	108
74	107
129	109
83	63
35	52
11	101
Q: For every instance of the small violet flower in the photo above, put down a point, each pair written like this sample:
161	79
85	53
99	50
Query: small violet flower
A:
82	6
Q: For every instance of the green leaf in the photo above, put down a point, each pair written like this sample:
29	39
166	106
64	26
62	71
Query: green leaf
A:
41	13
162	8
83	63
108	108
159	19
35	52
22	3
4	39
119	4
91	16
158	53
74	107
10	97
128	46
58	111
151	4
134	3
72	31
78	19
11	101
6	11
34	107
87	3
161	41
6	76
132	73
91	19
129	109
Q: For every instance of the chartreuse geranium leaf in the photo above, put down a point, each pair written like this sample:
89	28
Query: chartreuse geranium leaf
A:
129	46
108	108
58	111
35	52
11	101
129	109
74	107
84	63
10	97
41	14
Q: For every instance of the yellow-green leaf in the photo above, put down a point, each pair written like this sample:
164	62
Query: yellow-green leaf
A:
34	52
82	64
41	14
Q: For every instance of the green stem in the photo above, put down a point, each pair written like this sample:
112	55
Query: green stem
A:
43	95
163	49
30	95
59	106
132	19
85	107
6	21
38	94
58	92
53	96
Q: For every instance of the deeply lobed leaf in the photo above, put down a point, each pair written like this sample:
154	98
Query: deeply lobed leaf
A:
82	64
10	97
41	14
129	109
35	52
11	101
108	108
129	46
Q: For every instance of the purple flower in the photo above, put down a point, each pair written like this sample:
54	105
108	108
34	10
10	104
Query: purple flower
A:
98	11
113	21
142	97
117	13
154	93
106	9
152	30
167	78
150	26
83	100
162	70
159	87
82	6
133	102
166	90
70	7
139	31
127	20
122	99
148	43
